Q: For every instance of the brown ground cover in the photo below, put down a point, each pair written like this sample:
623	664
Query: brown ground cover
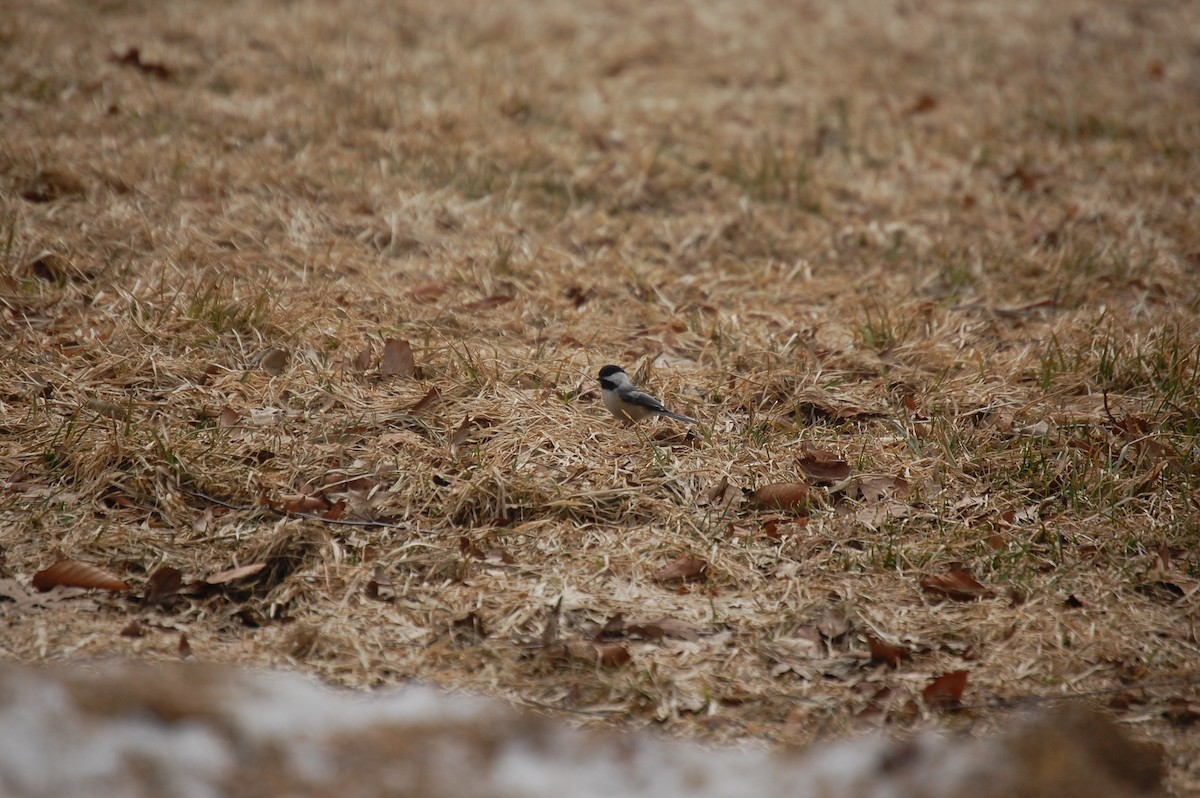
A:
320	289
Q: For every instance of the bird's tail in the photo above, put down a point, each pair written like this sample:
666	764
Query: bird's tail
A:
677	417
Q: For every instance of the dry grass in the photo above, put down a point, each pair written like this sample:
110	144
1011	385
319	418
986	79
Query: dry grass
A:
957	245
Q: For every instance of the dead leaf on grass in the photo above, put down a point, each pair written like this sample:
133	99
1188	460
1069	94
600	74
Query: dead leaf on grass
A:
228	417
945	692
380	586
823	468
234	574
781	496
462	434
109	409
362	361
164	583
133	629
428	292
132	57
833	623
956	583
397	359
274	361
609	655
425	401
887	653
665	626
683	569
73	573
488	303
185	649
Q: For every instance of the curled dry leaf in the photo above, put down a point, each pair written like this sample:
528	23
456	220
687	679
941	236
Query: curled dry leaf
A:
781	496
425	401
109	409
397	359
234	574
162	584
945	692
428	292
462	434
887	653
683	569
823	468
665	626
609	655
362	361
956	584
833	623
72	573
274	361
228	417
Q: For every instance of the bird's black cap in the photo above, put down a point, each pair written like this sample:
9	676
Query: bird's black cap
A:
608	371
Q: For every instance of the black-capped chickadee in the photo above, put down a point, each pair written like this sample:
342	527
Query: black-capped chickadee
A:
627	403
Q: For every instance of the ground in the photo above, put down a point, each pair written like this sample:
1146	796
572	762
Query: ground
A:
320	290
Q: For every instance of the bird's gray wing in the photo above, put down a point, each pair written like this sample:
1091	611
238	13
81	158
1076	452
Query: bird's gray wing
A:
645	400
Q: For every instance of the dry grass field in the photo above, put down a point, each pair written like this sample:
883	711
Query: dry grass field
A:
319	290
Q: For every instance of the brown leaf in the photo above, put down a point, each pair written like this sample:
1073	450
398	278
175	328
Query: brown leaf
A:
945	692
234	574
274	361
956	584
185	648
162	584
462	434
72	573
106	408
133	57
303	503
665	626
682	569
822	469
550	630
924	102
336	511
613	627
397	359
428	292
833	623
489	303
380	586
782	496
611	655
228	417
425	401
882	651
362	361
133	629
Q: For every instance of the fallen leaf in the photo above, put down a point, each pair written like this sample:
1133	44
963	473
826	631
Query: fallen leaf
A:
613	627
665	626
956	584
362	361
833	623
489	303
682	569
380	586
234	574
428	292
823	469
133	57
302	503
945	692
397	359
887	653
185	649
925	102
611	655
72	573
782	496
425	401
228	417
162	585
110	409
462	434
274	361
133	629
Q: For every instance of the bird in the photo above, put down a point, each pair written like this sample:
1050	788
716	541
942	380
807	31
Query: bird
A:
627	403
